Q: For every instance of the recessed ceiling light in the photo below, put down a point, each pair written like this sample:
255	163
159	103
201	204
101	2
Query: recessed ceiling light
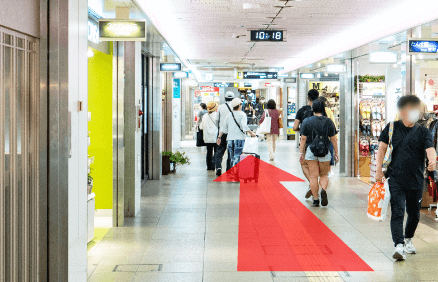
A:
251	6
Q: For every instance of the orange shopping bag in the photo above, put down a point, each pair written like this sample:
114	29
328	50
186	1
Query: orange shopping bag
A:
378	201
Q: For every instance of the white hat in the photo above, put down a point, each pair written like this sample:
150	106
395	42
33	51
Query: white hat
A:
236	102
229	95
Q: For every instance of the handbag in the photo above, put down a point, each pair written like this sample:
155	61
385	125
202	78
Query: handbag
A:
200	138
388	154
280	122
265	126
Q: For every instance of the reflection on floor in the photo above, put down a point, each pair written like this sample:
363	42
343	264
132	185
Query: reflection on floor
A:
187	230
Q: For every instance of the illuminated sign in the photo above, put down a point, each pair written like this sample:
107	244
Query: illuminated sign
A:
423	46
180	74
170	67
247	84
93	32
229	84
383	57
122	30
260	75
336	68
209	89
209	76
307	75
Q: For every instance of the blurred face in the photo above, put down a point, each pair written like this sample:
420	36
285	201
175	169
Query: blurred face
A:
410	113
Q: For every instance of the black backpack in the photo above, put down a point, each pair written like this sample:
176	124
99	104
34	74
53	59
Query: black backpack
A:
320	144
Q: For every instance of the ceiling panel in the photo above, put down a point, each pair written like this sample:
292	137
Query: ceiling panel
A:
207	30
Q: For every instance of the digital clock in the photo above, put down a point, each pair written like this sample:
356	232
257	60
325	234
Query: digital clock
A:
267	35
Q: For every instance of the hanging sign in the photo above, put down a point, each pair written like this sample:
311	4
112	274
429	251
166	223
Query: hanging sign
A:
229	84
260	75
122	30
423	46
170	67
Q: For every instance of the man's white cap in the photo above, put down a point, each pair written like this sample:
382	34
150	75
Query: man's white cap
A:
229	95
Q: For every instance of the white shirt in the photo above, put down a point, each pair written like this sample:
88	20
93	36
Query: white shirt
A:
231	128
209	125
223	112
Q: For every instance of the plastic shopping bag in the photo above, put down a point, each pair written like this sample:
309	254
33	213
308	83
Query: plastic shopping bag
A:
378	201
251	146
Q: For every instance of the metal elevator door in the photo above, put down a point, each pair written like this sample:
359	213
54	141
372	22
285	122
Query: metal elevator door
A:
19	189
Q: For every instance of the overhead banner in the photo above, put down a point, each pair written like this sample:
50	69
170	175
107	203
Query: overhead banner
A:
122	30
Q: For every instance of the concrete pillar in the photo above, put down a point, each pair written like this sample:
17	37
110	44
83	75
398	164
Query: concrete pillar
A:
155	118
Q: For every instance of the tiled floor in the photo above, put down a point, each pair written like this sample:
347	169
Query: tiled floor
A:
187	231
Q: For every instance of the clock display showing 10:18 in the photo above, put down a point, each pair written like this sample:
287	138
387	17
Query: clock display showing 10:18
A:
267	35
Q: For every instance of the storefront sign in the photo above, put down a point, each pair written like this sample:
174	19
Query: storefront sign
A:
324	86
122	30
170	67
307	75
260	75
290	80
209	89
93	32
383	57
421	46
247	85
180	74
177	88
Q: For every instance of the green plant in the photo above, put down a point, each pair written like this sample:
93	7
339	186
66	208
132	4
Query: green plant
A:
177	157
90	178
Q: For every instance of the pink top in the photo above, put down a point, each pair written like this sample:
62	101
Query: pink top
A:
275	115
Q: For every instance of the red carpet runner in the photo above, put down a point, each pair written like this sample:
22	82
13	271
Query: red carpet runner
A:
278	233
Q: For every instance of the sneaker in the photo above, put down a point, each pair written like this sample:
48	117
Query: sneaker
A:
409	246
271	159
316	203
324	200
399	253
219	172
309	193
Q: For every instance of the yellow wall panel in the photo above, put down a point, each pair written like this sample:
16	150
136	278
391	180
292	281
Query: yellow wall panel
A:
100	92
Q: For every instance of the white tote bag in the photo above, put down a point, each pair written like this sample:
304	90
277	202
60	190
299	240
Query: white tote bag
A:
265	127
251	145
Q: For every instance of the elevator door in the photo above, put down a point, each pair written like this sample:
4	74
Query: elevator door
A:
19	190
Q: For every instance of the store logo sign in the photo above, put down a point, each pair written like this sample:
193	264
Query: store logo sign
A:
209	89
93	32
122	30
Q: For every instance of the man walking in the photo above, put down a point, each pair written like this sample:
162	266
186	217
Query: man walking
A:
223	111
302	114
411	144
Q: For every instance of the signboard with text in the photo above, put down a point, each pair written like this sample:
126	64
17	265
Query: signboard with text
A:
170	67
122	30
260	75
209	89
423	46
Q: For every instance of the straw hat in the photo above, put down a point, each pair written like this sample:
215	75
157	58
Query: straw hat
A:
212	106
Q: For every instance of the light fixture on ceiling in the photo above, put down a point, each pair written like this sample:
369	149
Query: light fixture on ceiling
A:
282	7
247	6
275	18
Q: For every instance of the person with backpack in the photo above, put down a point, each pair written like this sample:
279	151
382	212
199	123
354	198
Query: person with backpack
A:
316	133
303	113
236	128
406	145
223	111
209	125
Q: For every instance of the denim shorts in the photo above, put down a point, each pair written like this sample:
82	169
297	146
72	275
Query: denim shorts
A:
311	157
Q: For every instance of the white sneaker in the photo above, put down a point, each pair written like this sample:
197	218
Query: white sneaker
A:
409	246
330	174
399	253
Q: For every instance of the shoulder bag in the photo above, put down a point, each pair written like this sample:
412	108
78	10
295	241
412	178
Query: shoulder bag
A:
265	126
388	156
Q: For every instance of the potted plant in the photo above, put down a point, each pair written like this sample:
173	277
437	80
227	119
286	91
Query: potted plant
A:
170	160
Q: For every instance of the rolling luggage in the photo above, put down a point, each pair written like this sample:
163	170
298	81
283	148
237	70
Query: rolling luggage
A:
249	171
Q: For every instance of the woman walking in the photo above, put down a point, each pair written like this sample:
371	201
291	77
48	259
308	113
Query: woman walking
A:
236	127
209	125
316	133
275	130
